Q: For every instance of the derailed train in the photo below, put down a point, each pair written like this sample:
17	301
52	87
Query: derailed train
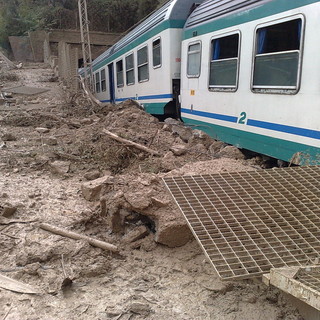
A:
247	72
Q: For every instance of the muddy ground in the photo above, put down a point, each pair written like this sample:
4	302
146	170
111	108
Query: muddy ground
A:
52	148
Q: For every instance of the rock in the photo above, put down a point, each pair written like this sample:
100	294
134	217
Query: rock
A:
50	141
215	147
272	296
160	202
168	161
8	137
140	308
7	210
116	222
92	175
199	136
179	149
74	124
232	152
183	132
86	121
136	234
166	127
60	167
42	130
91	190
137	200
199	148
173	234
171	121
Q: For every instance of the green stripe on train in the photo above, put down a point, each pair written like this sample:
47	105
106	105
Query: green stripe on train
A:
167	24
273	147
268	9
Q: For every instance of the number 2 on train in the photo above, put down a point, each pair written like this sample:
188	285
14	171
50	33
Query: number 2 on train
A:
242	119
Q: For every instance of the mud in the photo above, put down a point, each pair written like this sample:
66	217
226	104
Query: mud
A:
158	274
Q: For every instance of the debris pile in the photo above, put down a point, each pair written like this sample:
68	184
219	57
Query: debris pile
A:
95	173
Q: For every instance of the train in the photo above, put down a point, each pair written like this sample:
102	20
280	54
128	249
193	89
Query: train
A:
244	72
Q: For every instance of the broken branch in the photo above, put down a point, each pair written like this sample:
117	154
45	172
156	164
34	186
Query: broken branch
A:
87	92
131	143
77	236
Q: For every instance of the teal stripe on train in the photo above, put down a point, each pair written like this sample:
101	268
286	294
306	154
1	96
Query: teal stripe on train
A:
167	24
255	13
277	148
155	108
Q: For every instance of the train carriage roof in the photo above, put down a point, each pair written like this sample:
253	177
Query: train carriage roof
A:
174	10
212	9
213	15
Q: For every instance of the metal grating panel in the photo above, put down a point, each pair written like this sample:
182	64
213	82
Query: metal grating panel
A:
310	277
250	222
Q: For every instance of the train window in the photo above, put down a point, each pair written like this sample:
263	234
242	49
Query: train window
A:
103	80
224	63
156	53
277	57
97	77
194	60
130	69
143	64
119	69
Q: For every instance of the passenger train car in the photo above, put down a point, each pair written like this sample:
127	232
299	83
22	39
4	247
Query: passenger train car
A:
245	72
145	64
250	75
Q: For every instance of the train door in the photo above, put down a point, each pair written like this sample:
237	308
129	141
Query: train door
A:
111	83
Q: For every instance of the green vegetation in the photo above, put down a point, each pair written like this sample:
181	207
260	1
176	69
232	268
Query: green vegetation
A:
17	17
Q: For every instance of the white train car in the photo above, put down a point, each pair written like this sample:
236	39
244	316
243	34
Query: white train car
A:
250	75
145	64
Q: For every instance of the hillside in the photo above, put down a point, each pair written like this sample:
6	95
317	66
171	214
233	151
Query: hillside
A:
20	16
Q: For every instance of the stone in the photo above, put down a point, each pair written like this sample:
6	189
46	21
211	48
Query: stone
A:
86	121
140	308
136	234
91	190
232	152
199	134
137	200
116	222
215	147
199	148
173	234
171	121
160	202
7	210
42	130
8	137
179	149
92	175
166	127
50	141
60	167
168	161
183	132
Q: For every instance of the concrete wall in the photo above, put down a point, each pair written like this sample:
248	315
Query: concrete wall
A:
21	48
73	36
61	49
37	39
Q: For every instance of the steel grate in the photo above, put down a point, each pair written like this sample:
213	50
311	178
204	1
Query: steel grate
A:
310	277
250	222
